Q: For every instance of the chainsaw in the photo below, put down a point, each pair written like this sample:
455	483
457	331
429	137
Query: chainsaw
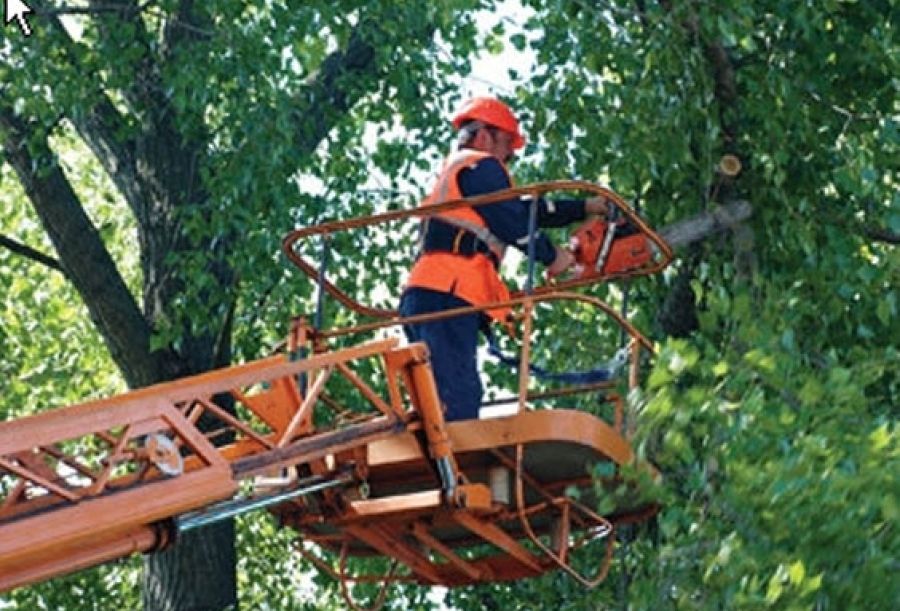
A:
606	248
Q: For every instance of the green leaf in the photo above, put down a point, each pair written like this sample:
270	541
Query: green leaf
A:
880	438
720	369
775	587
518	41
796	573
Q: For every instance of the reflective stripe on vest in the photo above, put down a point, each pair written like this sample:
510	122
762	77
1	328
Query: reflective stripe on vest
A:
471	278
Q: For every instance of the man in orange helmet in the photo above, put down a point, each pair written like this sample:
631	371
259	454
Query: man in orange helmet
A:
462	248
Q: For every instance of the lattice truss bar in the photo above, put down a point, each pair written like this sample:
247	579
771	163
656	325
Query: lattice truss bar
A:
91	476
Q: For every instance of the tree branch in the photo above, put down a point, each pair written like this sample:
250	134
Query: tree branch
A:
94	9
728	102
705	224
332	91
880	234
30	253
142	72
165	175
147	164
723	73
188	23
327	93
82	253
102	128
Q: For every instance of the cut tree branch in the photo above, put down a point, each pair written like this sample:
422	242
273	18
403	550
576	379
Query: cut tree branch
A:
30	253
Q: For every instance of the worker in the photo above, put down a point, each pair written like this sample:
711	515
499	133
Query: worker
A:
462	249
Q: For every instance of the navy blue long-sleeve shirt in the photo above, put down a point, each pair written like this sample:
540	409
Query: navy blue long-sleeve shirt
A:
508	220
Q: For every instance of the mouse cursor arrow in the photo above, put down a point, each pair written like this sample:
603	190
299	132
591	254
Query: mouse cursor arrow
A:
17	9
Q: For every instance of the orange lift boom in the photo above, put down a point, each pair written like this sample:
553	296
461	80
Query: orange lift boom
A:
450	503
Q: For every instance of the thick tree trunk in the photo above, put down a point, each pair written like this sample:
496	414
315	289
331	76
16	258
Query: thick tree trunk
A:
198	574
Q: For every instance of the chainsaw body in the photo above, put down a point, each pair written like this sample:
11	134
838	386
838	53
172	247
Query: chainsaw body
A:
604	248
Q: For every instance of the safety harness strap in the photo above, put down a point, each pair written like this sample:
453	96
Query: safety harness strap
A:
444	235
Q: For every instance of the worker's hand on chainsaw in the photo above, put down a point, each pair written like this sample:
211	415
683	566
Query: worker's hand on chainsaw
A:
596	206
563	261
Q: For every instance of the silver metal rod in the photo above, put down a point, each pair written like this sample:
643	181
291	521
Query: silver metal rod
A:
236	507
448	477
532	246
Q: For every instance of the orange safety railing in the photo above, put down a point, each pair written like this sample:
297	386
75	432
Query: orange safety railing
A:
292	239
525	299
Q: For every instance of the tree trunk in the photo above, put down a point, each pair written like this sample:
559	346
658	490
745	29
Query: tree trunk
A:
198	574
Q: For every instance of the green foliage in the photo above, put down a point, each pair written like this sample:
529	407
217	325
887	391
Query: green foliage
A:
111	586
777	476
272	576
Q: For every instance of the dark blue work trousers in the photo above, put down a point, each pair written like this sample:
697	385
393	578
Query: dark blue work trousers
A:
453	343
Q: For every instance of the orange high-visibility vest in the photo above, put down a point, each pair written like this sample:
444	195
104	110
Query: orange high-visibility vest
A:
472	278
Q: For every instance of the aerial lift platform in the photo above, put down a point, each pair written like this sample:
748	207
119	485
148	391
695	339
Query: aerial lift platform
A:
448	504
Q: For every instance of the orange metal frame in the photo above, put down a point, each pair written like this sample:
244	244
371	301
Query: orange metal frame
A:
84	484
89	483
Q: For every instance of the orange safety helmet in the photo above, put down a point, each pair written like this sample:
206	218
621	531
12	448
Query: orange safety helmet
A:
493	112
